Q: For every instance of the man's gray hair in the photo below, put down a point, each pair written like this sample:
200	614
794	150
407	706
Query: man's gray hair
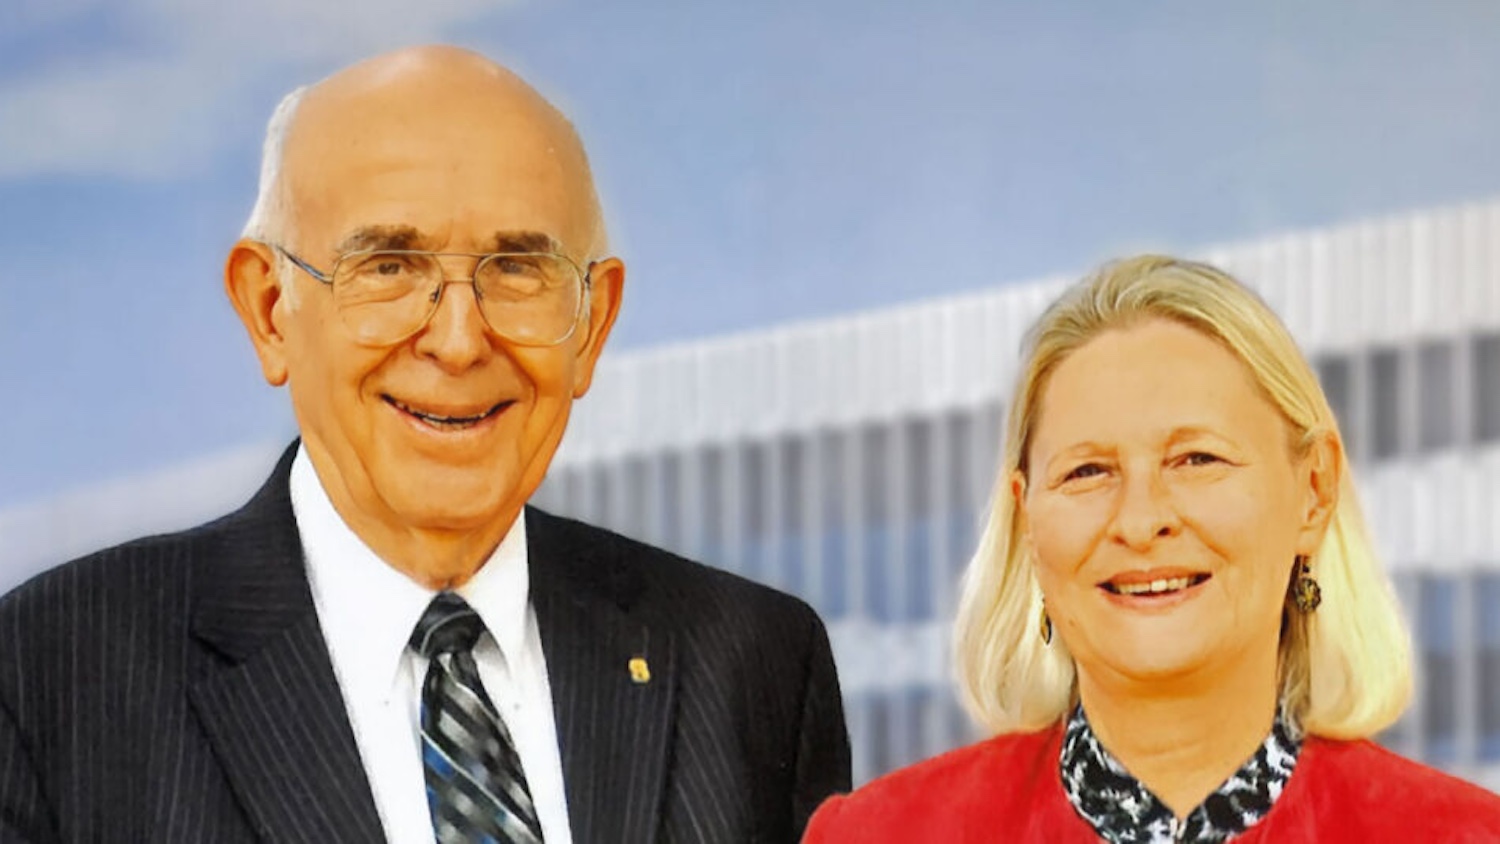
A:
268	215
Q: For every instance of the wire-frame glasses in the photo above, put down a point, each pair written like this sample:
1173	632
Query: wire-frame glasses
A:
385	296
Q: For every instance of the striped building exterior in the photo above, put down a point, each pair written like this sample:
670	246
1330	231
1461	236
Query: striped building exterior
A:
851	461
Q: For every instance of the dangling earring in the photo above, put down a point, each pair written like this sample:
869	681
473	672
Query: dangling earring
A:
1046	625
1306	593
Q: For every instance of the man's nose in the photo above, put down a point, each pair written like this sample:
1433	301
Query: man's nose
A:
1146	511
456	336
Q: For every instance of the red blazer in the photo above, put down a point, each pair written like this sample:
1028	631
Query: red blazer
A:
1008	789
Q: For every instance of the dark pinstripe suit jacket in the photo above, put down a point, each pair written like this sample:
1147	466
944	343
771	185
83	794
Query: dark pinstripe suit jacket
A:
178	688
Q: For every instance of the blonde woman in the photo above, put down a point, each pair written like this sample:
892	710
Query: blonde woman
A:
1175	624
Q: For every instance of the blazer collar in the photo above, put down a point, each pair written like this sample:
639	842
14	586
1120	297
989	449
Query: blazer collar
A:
613	674
270	704
274	714
249	584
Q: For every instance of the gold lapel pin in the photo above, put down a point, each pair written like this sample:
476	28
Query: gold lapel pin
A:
640	672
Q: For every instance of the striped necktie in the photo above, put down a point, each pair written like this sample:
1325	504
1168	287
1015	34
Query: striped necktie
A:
476	791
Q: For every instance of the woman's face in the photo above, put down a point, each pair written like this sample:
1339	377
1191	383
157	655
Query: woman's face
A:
1164	508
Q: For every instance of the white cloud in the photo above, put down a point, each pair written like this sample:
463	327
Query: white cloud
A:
164	113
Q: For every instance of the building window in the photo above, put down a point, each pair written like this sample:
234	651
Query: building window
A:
600	485
794	487
752	505
573	484
962	478
1435	397
711	507
550	495
1438	647
634	493
1487	388
794	497
917	594
1337	381
876	553
906	726
672	516
919	480
1489	665
991	433
881	755
1385	403
833	493
1401	737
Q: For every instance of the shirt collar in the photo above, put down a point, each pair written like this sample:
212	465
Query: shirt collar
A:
367	608
500	592
1122	809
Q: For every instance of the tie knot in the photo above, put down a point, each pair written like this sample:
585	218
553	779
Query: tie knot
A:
449	625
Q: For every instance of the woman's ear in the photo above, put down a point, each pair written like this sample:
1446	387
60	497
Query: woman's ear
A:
1320	473
1016	484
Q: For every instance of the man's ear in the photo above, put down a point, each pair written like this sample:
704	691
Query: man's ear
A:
606	285
1319	473
254	288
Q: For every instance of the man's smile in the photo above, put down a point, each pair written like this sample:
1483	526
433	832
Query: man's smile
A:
458	418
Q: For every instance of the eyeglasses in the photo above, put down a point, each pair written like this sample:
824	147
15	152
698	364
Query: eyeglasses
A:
385	296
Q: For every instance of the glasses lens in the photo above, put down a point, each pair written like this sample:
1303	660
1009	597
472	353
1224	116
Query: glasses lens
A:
530	298
384	296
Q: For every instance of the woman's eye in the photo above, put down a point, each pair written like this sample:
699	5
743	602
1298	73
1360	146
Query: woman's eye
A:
1087	470
1200	458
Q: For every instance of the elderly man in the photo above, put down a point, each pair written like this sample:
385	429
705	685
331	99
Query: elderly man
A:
386	642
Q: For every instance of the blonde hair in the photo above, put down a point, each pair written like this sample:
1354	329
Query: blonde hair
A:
1345	669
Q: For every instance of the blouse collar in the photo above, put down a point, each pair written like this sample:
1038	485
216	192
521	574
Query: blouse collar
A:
1121	809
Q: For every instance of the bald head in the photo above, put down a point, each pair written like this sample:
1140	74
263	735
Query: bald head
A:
387	112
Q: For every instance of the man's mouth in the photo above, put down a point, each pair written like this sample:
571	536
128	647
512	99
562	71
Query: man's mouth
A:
449	422
1150	584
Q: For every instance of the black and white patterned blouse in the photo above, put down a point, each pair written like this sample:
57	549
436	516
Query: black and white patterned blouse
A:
1122	810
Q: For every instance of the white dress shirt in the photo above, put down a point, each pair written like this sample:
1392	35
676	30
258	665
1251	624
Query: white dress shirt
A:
368	609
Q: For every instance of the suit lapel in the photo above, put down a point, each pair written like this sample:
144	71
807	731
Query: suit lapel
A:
613	677
271	705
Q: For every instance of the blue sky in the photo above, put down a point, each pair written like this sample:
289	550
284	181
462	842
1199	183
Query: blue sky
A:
760	162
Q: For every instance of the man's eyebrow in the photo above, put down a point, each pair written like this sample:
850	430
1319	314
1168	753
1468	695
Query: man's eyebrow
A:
525	241
408	237
380	237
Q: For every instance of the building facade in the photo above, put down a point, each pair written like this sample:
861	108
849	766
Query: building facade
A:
851	462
